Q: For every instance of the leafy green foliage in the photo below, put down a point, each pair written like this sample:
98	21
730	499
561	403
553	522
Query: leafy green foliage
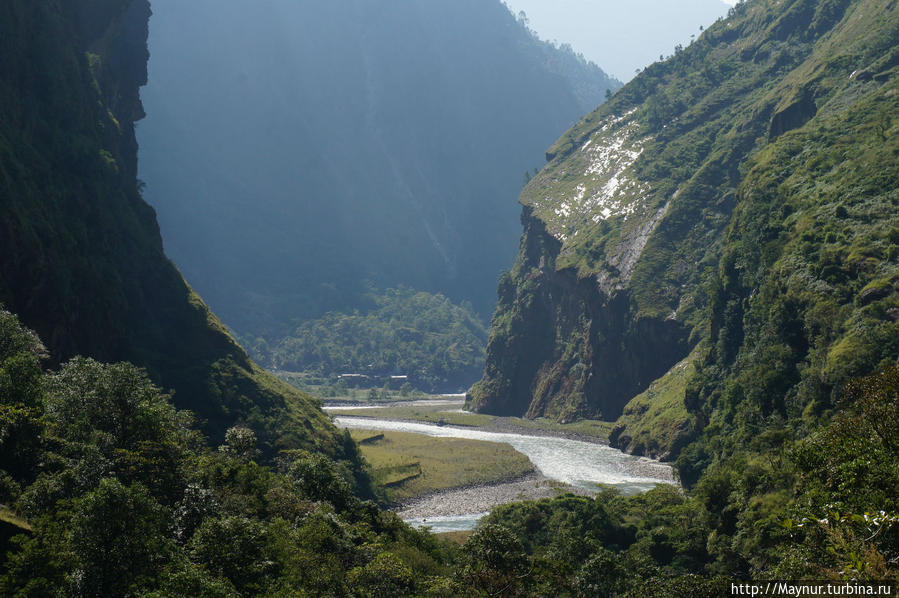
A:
494	561
21	391
220	524
385	576
437	344
125	499
771	144
812	249
824	507
848	518
116	534
793	476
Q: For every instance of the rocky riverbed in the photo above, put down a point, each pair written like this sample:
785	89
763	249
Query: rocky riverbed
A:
563	464
483	498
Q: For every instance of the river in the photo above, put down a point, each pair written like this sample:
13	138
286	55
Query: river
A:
579	464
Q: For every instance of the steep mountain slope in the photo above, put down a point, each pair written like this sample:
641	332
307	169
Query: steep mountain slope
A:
296	150
740	196
81	259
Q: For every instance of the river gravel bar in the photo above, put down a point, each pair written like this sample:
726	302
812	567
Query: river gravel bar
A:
482	498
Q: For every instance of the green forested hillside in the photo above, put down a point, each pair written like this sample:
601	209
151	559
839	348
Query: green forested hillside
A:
740	196
437	345
719	243
114	494
107	491
713	256
81	260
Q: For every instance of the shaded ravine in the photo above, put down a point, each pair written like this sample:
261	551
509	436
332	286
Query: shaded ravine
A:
579	464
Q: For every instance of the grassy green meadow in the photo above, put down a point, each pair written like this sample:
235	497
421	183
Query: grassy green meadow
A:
407	465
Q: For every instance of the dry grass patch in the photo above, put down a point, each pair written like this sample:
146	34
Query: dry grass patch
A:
407	465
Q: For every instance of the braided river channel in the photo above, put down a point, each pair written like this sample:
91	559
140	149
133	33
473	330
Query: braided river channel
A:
581	465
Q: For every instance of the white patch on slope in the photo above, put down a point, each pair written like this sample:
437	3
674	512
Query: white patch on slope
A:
606	190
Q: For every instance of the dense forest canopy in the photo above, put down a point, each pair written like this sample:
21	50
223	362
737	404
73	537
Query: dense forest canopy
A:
115	494
433	344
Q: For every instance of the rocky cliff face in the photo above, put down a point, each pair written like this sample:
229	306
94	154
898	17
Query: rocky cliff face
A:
692	209
561	346
81	259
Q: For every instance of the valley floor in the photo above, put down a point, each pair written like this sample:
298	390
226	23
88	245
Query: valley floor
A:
445	467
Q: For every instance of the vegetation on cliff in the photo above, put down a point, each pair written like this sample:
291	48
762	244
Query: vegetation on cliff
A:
125	498
656	423
113	493
821	508
734	206
81	259
739	197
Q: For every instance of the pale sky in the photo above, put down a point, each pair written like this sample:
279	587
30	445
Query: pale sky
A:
620	35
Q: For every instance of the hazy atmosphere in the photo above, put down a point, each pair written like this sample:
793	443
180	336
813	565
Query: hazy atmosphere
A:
620	35
307	160
449	298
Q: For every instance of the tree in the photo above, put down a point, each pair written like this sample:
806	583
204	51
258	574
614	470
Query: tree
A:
494	561
235	548
317	478
21	352
21	401
240	442
603	575
385	576
190	581
111	405
849	473
118	537
115	414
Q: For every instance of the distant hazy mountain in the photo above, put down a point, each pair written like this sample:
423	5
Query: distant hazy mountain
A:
299	153
622	35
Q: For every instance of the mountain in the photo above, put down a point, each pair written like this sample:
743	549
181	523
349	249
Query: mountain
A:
720	238
301	154
622	36
81	258
788	379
